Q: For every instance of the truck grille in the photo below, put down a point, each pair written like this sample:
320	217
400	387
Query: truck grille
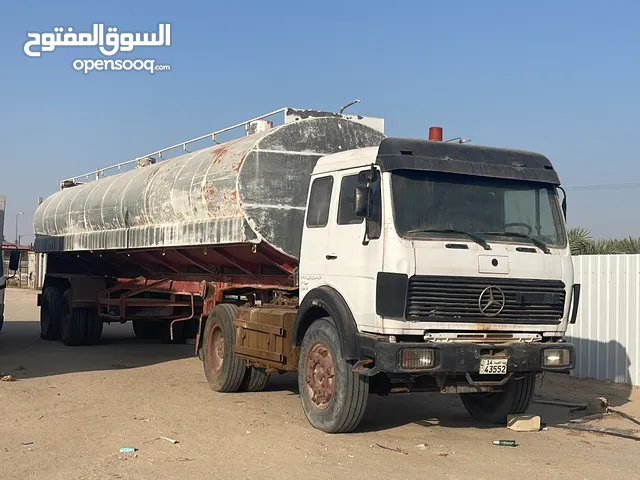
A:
458	299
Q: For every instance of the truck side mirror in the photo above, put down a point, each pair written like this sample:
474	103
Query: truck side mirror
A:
361	202
564	202
14	260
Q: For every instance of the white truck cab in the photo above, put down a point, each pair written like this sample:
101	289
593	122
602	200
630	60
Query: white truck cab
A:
453	262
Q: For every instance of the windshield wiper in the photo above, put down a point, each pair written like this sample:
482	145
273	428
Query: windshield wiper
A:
479	240
538	243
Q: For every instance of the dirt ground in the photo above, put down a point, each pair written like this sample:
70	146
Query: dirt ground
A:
70	409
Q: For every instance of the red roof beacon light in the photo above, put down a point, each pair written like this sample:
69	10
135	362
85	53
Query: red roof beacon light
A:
435	134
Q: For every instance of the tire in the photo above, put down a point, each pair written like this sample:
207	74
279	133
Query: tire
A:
50	313
224	370
146	330
73	322
493	408
255	380
336	408
94	325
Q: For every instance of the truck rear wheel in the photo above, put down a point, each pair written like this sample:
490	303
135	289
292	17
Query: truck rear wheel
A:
224	370
146	330
255	380
73	322
515	398
334	398
50	313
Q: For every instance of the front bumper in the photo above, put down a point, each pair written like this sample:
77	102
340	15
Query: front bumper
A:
462	358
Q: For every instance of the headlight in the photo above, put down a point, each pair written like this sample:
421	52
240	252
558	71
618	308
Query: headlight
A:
417	358
556	357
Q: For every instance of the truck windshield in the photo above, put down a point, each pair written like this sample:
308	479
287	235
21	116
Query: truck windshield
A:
425	203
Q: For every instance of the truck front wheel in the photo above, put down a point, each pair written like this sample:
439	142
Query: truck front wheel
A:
224	370
515	398
334	398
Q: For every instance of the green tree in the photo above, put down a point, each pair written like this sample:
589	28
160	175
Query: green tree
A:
582	243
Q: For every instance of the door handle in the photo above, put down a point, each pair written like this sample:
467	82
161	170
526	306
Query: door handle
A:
330	256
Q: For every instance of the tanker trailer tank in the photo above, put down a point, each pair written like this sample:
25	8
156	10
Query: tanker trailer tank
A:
161	244
249	190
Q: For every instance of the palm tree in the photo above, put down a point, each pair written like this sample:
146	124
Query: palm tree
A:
582	243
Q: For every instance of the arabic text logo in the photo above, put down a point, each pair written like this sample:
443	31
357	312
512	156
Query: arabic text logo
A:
108	43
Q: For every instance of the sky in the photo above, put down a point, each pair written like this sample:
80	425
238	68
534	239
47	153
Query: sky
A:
559	78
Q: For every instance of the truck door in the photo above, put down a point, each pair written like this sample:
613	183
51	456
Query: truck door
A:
352	267
315	238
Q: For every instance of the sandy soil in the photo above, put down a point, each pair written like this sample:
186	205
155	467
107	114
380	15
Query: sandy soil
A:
71	409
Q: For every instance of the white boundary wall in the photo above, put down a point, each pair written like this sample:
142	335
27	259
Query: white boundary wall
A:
607	331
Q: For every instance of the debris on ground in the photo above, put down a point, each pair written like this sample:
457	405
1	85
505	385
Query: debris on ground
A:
616	432
523	423
393	449
579	423
505	443
597	405
128	449
557	403
27	443
422	446
7	378
624	415
171	440
593	406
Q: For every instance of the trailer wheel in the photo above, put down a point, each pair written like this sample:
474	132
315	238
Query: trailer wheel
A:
94	325
493	408
50	313
255	380
224	370
146	330
73	322
334	398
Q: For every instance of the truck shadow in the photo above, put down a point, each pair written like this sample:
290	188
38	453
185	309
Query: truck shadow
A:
433	409
23	354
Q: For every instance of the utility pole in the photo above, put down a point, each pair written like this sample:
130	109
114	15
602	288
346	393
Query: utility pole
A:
17	215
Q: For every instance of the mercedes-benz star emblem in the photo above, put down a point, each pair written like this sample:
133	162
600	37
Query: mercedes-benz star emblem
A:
491	301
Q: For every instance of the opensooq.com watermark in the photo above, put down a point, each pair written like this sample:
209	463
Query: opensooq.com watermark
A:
88	65
108	44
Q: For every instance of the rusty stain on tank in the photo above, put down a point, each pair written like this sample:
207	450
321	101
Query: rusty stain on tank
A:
210	190
236	167
218	153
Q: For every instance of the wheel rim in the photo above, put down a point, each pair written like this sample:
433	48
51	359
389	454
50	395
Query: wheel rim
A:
215	349
320	374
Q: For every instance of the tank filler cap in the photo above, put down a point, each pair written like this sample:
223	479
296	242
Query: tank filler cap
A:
258	126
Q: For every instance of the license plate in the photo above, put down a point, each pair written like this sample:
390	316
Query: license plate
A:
493	366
